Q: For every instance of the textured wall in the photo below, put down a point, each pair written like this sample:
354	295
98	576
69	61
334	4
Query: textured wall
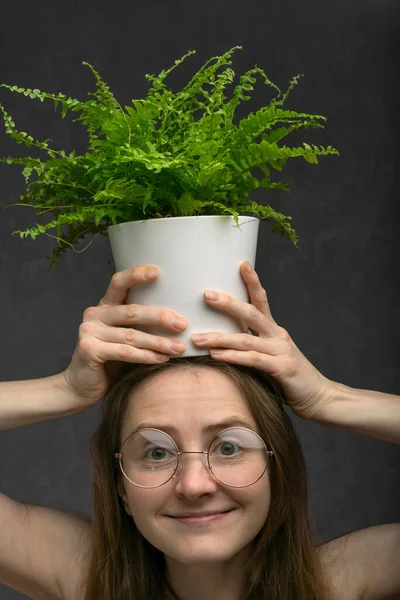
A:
338	295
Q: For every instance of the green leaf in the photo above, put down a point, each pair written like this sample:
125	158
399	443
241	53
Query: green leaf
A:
165	154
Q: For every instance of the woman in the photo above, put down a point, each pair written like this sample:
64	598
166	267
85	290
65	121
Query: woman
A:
189	437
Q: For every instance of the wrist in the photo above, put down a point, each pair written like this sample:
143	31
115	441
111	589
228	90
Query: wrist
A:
67	395
318	407
71	394
336	399
34	400
365	412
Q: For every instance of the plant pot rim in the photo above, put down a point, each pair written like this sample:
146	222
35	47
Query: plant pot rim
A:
186	217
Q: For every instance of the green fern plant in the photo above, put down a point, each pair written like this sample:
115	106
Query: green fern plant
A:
157	158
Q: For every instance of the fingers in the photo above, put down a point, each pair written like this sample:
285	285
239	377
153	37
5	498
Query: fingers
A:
122	281
107	332
95	352
135	314
99	343
276	356
249	314
258	295
103	338
243	341
256	313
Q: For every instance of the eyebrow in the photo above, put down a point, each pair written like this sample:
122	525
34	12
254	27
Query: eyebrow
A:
225	424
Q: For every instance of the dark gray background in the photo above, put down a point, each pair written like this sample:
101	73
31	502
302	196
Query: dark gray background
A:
338	295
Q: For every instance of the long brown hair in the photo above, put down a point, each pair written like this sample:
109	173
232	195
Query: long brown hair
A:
285	562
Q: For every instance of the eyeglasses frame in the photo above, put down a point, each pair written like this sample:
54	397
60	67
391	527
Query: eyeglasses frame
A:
118	455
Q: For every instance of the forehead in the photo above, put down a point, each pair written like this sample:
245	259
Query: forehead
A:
186	399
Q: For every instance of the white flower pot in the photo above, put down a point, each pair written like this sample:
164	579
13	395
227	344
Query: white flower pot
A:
192	254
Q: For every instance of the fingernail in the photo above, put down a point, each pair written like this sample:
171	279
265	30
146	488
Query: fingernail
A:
178	346
199	337
179	323
151	272
210	295
248	268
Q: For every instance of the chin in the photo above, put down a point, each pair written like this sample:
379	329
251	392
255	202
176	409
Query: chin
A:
200	552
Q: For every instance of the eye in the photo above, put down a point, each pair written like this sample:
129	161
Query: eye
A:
157	453
229	448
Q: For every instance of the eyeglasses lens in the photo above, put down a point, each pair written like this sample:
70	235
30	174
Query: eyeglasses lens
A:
237	457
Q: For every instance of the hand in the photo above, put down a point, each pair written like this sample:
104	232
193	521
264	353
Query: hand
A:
271	349
106	339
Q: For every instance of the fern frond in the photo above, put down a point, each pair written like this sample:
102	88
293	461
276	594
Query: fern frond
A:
277	220
23	138
103	93
258	154
67	103
166	154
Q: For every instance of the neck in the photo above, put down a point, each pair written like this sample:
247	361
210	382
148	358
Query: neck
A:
217	581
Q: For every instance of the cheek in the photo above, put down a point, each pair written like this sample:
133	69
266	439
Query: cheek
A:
256	501
145	504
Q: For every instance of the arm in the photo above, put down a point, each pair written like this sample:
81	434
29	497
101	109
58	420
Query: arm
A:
103	346
310	394
370	413
365	563
34	400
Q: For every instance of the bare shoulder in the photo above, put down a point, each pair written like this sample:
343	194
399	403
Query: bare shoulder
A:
44	552
72	570
67	538
365	564
343	567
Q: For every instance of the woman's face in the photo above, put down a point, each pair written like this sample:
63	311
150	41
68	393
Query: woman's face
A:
179	399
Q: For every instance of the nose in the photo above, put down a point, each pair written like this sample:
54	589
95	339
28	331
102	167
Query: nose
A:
193	477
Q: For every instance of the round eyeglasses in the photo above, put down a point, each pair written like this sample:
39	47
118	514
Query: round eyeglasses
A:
237	457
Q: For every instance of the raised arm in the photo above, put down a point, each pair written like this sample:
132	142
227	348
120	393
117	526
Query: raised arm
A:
105	342
34	400
310	394
367	412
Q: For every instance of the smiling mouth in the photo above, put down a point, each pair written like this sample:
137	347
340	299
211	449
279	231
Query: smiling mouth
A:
199	515
199	519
